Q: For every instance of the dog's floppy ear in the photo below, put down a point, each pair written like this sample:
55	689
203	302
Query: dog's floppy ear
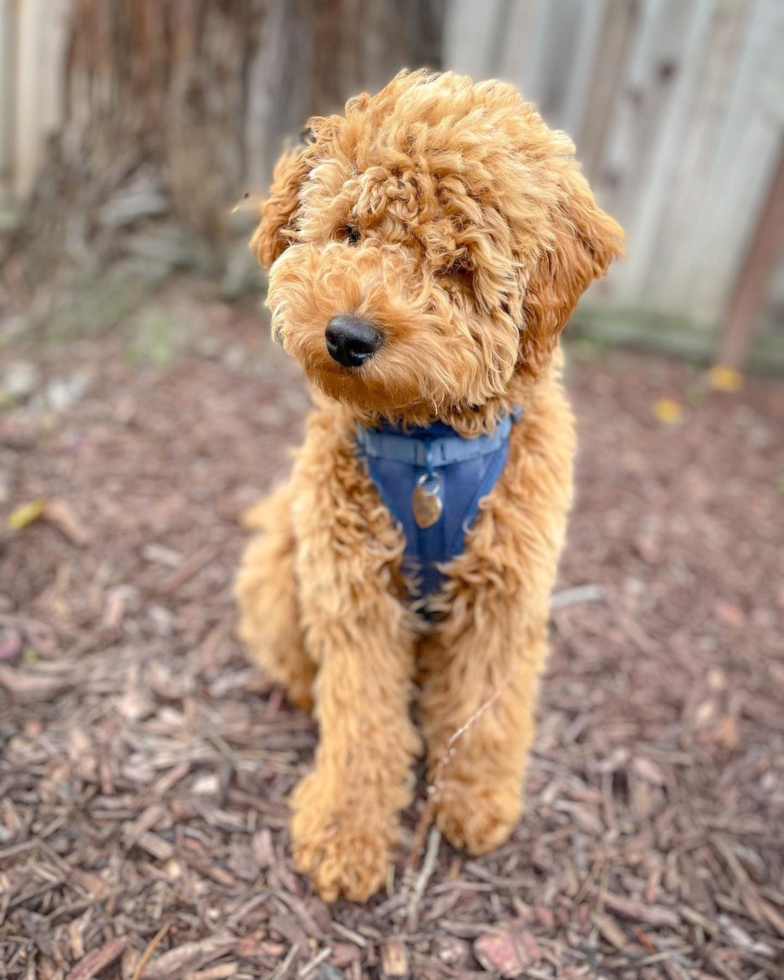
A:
584	242
276	228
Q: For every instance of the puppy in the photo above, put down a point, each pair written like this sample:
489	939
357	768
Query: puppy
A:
425	251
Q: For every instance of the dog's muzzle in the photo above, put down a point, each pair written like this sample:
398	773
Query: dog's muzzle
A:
351	341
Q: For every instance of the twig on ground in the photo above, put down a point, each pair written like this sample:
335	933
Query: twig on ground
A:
189	569
309	924
434	790
417	889
155	942
350	934
571	597
317	960
283	967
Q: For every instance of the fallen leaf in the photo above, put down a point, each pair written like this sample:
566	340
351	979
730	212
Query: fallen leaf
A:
723	378
25	514
667	411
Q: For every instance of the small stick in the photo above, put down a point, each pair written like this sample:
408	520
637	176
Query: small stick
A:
283	968
571	597
157	939
417	890
319	958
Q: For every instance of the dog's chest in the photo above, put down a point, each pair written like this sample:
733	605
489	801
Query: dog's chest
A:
432	480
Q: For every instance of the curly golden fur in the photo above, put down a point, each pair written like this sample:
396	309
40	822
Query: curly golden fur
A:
450	216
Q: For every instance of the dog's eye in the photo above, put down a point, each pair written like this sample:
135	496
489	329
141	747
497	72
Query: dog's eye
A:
350	234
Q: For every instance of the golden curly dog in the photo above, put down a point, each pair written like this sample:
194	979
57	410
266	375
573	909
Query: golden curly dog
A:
446	218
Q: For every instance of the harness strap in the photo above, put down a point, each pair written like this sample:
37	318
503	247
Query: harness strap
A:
429	451
458	470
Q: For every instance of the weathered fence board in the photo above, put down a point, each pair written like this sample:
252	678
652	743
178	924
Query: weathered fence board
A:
745	154
681	211
31	71
7	96
676	106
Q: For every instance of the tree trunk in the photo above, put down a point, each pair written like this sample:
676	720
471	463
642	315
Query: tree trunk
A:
175	108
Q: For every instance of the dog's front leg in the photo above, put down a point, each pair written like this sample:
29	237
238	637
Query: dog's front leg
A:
478	704
345	814
481	666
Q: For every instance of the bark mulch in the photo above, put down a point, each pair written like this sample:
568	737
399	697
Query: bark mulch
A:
144	765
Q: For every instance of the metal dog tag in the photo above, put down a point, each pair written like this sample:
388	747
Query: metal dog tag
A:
426	501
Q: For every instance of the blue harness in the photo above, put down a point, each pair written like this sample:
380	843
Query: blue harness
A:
432	480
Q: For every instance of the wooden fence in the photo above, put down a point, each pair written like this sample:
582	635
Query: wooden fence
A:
677	110
32	51
676	107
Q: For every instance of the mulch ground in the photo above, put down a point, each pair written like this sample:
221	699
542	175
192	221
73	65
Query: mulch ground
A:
144	765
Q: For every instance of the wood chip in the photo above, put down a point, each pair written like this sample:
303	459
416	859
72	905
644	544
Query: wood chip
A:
97	960
61	514
509	951
394	959
652	915
610	929
189	956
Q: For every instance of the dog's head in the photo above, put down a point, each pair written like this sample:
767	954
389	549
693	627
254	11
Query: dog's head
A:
428	247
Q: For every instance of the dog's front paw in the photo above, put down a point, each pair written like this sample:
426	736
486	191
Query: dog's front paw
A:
476	817
344	852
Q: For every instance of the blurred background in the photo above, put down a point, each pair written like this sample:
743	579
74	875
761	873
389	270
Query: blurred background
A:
128	130
144	766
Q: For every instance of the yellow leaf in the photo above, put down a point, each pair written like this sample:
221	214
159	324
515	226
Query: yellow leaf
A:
668	411
25	514
724	378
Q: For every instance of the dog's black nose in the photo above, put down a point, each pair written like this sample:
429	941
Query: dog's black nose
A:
351	341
